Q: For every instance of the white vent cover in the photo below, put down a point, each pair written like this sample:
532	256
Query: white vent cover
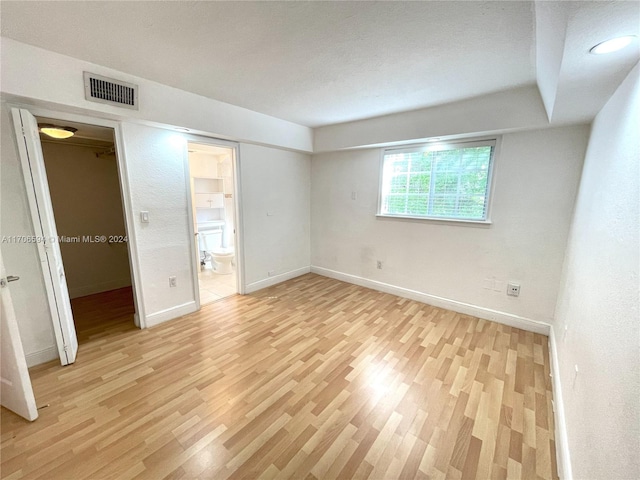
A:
107	90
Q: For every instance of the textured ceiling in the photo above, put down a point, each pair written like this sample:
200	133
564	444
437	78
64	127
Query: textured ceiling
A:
313	63
319	63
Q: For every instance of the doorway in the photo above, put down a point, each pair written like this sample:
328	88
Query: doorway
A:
212	178
84	186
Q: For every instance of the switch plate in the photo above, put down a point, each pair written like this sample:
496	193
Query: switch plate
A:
144	217
513	289
173	282
354	195
379	264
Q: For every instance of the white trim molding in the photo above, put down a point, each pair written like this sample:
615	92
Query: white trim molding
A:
460	307
42	356
563	457
268	282
170	313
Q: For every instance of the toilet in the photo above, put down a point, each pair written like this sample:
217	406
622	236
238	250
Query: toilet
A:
222	259
210	242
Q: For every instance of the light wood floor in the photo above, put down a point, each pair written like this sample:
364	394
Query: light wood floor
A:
310	379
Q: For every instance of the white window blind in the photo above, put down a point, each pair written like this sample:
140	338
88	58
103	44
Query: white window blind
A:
442	181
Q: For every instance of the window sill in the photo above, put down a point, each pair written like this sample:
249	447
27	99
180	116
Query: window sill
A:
470	223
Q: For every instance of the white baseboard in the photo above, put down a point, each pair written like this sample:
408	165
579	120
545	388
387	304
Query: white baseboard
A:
267	282
42	356
563	458
84	290
169	314
460	307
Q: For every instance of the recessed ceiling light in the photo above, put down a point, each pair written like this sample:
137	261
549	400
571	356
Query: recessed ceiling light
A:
57	132
612	45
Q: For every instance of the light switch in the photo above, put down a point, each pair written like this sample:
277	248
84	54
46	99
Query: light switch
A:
144	217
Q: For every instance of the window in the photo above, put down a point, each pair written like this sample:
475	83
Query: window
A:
438	181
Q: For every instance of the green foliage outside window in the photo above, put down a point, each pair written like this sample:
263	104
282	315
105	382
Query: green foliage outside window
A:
451	183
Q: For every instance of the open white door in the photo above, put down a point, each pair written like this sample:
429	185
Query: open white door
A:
16	393
44	225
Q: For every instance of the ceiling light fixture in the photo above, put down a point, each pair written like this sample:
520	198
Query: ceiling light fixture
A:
612	45
57	132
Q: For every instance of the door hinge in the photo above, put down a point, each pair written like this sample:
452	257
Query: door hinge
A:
65	348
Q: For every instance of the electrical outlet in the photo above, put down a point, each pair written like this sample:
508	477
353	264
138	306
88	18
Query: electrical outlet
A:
379	264
271	273
173	282
513	289
354	195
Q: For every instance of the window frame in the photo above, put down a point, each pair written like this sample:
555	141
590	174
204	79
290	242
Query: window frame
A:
451	144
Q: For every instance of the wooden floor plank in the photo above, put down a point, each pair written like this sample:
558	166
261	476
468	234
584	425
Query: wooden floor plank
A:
312	378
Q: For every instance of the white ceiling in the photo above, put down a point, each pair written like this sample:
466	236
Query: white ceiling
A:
314	63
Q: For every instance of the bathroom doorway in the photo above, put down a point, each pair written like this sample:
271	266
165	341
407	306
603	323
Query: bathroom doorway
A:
212	177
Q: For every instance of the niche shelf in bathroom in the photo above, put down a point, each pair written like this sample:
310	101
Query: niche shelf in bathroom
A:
208	198
208	185
208	192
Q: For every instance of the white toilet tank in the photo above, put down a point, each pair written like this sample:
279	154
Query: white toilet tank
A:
209	238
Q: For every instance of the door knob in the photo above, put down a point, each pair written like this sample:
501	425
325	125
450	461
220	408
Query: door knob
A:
10	278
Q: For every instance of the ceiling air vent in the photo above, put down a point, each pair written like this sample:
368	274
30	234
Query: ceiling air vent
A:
107	90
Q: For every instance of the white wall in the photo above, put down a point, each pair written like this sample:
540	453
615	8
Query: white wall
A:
21	259
85	193
598	299
155	161
535	180
276	214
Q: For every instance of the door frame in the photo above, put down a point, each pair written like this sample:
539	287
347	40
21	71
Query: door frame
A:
125	194
239	236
